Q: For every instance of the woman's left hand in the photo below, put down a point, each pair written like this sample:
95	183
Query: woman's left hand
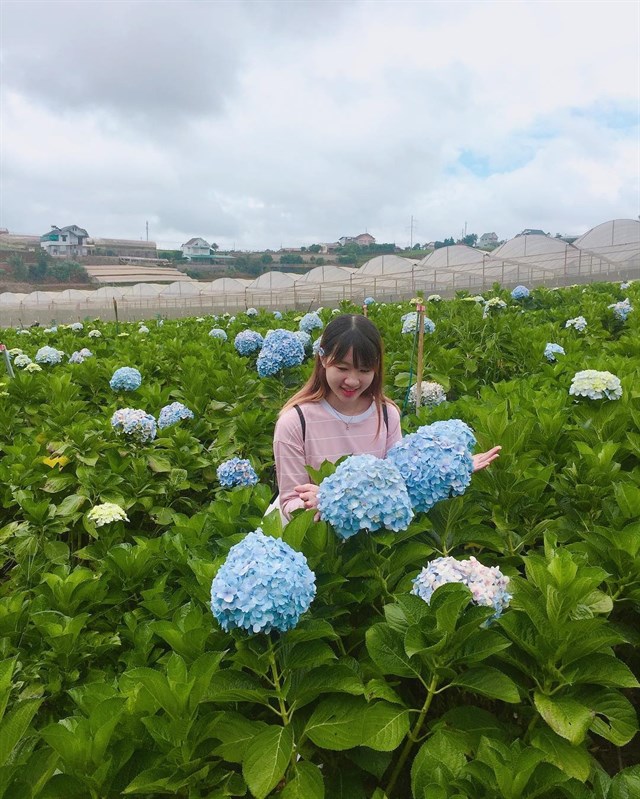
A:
483	459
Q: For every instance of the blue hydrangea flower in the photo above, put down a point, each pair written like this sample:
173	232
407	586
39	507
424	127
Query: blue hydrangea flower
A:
621	309
451	428
433	467
305	339
281	349
520	293
277	315
579	323
236	472
49	355
315	349
488	585
310	321
218	332
126	378
135	424
247	342
22	360
76	327
263	585
596	385
251	311
410	323
551	350
364	493
368	301
173	413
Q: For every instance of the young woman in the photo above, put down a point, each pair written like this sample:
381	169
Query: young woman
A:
341	410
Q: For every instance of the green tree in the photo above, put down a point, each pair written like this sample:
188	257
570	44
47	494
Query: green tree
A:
470	240
314	248
265	258
18	267
291	258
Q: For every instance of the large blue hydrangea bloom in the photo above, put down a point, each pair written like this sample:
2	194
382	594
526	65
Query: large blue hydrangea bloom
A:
368	301
310	321
134	423
247	342
173	413
263	585
236	472
433	466
126	379
364	493
281	349
410	323
218	332
49	355
305	339
520	293
451	428
488	585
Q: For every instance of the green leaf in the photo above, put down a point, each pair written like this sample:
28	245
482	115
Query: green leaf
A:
159	465
614	716
294	533
628	499
266	760
385	726
307	783
235	732
601	669
386	649
488	681
567	717
328	679
441	757
70	505
575	761
626	784
337	723
14	725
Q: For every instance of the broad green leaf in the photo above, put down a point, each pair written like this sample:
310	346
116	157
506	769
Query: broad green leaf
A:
307	783
488	681
601	669
386	649
575	761
328	679
235	732
385	726
230	685
70	505
295	531
567	717
158	464
628	499
14	725
442	756
337	723
626	784
266	759
614	717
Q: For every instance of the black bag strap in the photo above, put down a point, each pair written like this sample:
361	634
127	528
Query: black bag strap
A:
303	421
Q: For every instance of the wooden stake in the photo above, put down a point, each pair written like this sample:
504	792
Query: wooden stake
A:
7	360
364	310
420	366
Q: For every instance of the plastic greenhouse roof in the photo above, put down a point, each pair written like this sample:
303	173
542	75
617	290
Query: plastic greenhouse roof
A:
325	274
223	285
142	290
181	289
617	241
272	280
453	257
388	264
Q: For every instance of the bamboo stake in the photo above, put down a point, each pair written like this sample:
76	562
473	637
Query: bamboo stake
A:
7	360
420	367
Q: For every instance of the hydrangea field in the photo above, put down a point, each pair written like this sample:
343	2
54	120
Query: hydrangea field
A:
481	643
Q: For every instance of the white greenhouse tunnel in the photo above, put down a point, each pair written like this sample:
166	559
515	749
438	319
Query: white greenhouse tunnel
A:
610	251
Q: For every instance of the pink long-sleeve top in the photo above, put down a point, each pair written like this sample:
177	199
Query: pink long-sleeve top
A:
327	438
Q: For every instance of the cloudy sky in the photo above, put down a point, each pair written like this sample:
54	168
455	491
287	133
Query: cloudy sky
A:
261	123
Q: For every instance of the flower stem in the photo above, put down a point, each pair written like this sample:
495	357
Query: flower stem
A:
277	685
412	737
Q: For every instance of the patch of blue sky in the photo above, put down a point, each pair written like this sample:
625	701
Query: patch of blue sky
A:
484	165
621	116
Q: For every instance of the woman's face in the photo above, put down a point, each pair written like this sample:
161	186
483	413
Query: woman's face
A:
347	384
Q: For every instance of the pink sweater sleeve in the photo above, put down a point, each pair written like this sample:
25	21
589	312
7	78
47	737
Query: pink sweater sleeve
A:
288	451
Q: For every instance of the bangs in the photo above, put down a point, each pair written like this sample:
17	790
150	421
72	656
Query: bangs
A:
365	352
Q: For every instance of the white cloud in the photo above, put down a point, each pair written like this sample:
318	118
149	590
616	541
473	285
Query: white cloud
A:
273	123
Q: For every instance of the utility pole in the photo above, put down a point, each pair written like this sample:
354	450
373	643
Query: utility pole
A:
411	229
147	224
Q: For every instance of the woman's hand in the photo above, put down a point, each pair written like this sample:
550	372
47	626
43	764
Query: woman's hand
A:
308	493
483	459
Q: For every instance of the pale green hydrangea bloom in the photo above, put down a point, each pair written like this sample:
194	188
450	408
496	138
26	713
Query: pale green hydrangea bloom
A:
106	513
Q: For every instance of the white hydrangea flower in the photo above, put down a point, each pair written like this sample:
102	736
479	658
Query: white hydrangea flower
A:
95	334
596	385
434	298
106	513
431	394
15	351
143	329
33	367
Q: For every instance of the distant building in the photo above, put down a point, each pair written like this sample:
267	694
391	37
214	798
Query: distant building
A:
331	246
66	242
123	248
531	232
197	249
363	239
488	240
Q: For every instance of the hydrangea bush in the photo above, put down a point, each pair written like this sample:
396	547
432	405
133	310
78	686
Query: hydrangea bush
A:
135	424
494	304
49	356
172	414
431	394
364	493
79	355
579	323
621	310
551	350
236	472
410	323
126	378
433	466
488	585
263	585
520	293
281	349
595	385
247	342
107	513
22	361
310	321
218	332
451	428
